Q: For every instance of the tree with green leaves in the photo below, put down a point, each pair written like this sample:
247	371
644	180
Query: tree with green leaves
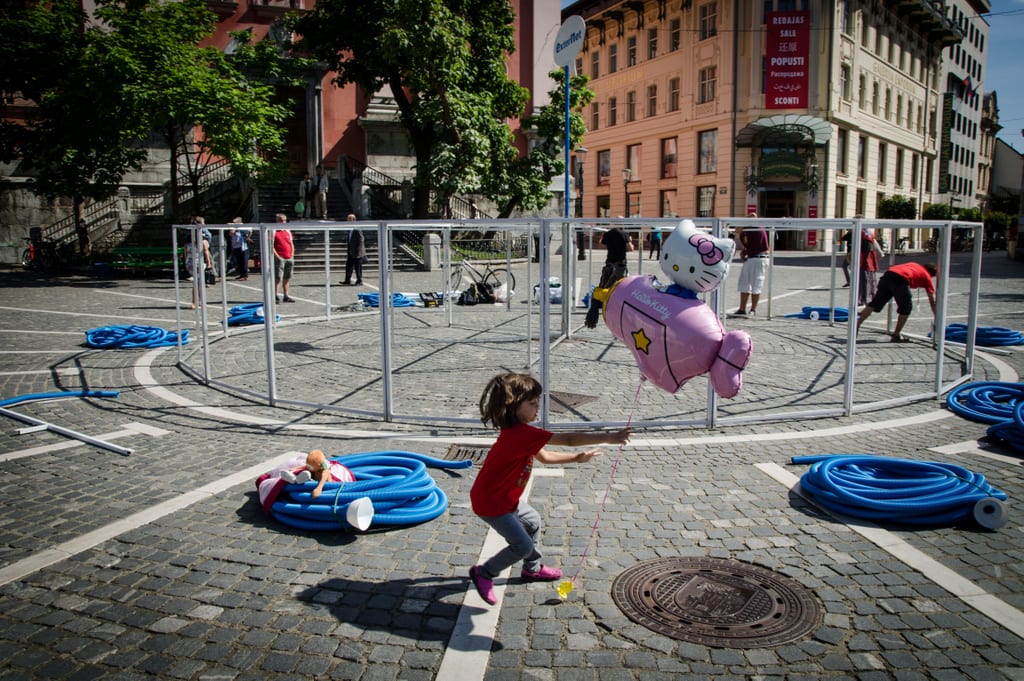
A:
82	131
199	100
444	62
523	183
896	208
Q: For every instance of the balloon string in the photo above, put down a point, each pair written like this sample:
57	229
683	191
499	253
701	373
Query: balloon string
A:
611	480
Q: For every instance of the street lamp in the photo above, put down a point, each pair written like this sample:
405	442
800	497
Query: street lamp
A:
627	177
581	154
581	251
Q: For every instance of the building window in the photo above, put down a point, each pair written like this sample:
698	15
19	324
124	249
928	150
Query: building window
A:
706	201
652	43
652	101
613	112
862	92
595	120
631	51
913	171
899	167
888	104
860	202
846	22
842	150
673	94
875	97
840	201
668	203
631	106
707	85
862	157
633	161
707	149
675	35
844	81
613	58
604	166
883	153
709	20
899	109
595	64
669	162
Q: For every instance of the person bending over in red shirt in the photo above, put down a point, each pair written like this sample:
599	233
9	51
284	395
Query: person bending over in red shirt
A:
896	283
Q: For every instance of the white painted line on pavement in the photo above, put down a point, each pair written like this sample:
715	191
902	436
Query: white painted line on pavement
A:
972	447
1000	612
469	648
64	550
48	372
49	333
111	317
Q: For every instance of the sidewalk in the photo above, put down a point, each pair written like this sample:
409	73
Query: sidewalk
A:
160	564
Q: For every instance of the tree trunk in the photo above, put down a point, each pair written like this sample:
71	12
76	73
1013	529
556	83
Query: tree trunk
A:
81	228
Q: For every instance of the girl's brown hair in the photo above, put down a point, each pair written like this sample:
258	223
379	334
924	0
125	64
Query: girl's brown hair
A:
503	395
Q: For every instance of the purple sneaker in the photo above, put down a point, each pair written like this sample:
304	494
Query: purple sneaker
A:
484	586
545	574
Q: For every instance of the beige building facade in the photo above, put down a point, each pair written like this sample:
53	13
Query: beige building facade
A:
791	108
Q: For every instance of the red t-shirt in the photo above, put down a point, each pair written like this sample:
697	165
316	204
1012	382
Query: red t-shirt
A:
283	244
916	275
506	470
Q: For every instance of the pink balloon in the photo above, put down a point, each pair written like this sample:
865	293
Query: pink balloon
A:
674	339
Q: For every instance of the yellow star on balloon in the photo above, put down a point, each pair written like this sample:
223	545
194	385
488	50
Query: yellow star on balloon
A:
641	340
565	588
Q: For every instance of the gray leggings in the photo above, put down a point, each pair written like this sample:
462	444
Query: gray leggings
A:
521	530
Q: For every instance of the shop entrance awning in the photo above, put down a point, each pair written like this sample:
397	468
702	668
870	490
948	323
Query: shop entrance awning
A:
785	130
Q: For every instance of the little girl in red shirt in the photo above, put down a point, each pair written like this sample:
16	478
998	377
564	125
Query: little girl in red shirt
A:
510	402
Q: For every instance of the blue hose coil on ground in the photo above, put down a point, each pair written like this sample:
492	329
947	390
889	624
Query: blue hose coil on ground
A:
49	396
397	483
133	336
397	300
986	401
1010	432
249	313
984	335
897	490
841	314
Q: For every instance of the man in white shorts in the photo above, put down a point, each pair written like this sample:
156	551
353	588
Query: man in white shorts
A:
753	246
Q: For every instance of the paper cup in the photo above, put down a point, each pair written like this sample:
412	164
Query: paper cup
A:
360	513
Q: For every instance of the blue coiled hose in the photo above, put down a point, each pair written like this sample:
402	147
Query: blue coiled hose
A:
1010	432
986	401
984	335
841	314
49	396
397	483
249	313
397	300
898	490
133	336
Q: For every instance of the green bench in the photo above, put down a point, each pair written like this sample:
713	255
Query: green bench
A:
142	258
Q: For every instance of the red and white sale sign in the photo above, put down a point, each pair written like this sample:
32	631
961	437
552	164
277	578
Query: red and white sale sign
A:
788	54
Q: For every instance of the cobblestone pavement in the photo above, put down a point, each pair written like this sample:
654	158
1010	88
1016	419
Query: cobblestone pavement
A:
160	564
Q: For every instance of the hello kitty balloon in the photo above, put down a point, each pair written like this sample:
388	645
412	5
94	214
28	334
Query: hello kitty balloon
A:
672	335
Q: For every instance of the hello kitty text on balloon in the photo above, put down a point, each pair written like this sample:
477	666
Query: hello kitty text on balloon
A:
672	335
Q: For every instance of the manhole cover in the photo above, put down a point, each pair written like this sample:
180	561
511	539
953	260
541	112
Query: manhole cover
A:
562	402
718	603
293	346
463	452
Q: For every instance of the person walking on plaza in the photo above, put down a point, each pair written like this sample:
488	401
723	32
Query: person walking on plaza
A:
896	283
284	254
356	254
870	253
306	195
510	403
753	246
618	244
655	251
320	187
240	250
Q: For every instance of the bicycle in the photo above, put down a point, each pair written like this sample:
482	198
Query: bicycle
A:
492	276
40	256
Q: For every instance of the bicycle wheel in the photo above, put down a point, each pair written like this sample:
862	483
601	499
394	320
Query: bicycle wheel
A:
26	258
499	276
456	278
